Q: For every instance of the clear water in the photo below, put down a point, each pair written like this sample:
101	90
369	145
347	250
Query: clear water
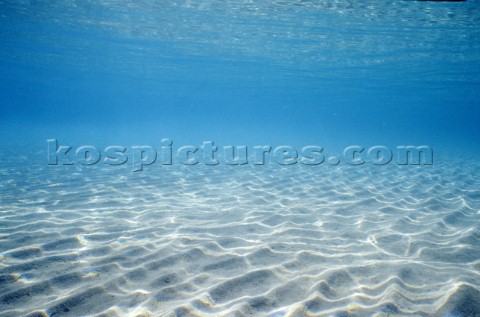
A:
239	240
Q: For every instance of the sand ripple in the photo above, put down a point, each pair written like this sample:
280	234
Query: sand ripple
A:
248	241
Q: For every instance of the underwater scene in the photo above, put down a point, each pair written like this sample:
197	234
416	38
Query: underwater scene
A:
239	158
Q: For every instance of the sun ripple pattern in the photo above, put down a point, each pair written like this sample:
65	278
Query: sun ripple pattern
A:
240	241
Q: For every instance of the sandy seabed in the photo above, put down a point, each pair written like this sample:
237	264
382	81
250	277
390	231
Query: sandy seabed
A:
240	241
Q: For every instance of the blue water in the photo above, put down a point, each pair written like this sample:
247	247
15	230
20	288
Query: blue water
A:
325	73
322	73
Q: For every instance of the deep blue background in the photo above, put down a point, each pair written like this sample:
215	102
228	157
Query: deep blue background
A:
241	73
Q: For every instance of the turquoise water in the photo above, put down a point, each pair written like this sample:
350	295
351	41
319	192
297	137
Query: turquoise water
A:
302	234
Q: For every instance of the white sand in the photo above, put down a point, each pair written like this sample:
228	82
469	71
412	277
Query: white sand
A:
240	241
